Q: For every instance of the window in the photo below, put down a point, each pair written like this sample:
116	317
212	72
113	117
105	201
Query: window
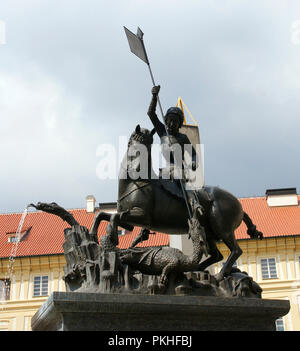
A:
279	324
4	289
12	239
121	232
4	325
40	285
268	268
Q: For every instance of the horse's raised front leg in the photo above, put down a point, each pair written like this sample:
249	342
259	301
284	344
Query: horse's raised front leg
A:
99	217
105	216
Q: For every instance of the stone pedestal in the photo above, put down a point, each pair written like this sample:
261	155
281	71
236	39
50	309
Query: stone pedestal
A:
120	312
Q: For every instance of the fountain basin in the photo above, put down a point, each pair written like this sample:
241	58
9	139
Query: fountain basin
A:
73	311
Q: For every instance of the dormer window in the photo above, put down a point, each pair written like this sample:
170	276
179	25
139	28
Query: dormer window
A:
12	237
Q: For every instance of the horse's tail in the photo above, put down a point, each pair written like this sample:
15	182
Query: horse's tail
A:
252	231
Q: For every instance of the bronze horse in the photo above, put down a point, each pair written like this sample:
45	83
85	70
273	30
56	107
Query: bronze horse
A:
158	204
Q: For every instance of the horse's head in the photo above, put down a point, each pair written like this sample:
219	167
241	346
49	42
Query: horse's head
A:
142	136
137	163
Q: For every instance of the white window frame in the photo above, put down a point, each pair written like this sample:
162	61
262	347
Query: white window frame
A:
40	289
12	239
279	323
269	272
4	325
5	289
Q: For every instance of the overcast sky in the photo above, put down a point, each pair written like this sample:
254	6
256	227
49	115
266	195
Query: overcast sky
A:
68	83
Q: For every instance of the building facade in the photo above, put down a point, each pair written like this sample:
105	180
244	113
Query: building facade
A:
274	264
29	277
32	281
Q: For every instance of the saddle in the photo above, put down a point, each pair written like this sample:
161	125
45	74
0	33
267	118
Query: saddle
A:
203	195
172	187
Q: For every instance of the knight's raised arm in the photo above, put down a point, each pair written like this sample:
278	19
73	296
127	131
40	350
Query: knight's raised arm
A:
159	127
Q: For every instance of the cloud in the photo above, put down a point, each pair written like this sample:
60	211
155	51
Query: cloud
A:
71	84
42	148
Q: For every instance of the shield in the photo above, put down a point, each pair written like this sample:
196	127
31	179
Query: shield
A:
196	177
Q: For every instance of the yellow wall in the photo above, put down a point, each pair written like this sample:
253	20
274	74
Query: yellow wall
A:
286	251
16	313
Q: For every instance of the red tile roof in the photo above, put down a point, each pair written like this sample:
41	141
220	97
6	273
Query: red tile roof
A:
272	221
46	235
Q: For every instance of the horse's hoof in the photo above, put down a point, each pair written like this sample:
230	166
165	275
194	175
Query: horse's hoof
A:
183	290
219	276
153	289
156	289
161	288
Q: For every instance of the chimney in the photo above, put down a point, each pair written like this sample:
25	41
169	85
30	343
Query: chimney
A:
282	197
110	207
90	204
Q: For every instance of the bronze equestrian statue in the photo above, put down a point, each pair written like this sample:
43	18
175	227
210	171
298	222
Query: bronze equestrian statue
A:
158	205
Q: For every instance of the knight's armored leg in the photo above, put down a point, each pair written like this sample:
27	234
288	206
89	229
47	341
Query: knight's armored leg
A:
196	206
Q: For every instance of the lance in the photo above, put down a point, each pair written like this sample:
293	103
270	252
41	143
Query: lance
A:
137	46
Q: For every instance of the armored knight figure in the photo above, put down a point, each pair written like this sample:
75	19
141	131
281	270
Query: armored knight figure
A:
172	141
170	138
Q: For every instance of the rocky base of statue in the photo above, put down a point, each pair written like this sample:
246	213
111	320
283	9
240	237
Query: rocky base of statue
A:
104	268
95	268
148	289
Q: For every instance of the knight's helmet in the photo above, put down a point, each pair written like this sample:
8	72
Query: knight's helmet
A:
175	111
